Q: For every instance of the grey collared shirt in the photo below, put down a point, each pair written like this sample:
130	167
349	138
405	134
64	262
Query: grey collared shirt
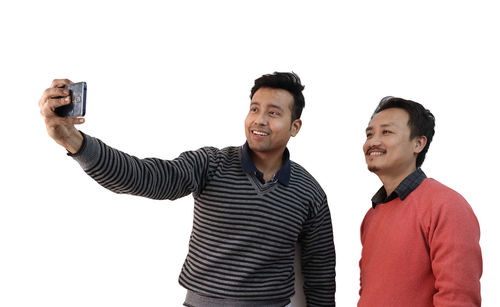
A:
410	183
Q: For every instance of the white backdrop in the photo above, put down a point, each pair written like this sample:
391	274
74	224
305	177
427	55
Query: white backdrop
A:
168	76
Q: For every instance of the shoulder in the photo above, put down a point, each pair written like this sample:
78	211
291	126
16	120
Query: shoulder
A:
211	158
211	152
227	158
439	193
300	177
443	199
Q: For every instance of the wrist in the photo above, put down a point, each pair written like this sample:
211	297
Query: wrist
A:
74	142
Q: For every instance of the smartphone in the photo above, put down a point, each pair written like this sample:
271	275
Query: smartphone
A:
76	108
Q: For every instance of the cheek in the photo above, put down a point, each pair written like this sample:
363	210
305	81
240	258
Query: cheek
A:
280	126
365	146
248	120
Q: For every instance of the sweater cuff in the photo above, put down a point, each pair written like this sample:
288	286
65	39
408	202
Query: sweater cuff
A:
89	153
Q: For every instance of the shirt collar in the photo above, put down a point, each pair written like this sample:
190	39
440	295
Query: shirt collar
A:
283	175
410	183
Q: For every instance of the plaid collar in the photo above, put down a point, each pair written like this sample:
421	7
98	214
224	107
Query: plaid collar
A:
410	183
283	175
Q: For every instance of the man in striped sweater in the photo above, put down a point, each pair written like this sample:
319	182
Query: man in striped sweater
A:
420	238
252	203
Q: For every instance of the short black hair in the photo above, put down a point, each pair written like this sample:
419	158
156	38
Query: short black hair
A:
421	120
288	81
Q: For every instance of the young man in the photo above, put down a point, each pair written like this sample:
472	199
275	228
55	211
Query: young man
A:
420	238
252	204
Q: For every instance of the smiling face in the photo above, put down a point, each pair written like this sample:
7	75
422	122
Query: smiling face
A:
268	125
388	149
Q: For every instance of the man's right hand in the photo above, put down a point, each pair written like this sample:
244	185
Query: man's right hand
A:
61	129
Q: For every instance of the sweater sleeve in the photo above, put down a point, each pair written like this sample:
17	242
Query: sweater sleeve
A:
360	263
318	258
151	177
455	252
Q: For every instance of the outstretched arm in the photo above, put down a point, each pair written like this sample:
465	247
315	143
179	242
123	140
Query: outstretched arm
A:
116	170
151	177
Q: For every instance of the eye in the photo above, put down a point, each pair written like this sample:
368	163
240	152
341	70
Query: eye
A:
253	109
386	131
274	113
369	134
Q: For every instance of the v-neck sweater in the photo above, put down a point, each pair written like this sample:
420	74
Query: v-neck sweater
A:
242	244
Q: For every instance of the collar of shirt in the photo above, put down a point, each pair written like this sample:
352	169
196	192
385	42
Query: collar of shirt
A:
283	175
404	189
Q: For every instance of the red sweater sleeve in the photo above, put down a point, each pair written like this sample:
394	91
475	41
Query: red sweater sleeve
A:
454	250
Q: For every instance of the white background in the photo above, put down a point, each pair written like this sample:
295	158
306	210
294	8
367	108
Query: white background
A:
168	76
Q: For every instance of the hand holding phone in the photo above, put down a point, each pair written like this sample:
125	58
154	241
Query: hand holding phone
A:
78	104
62	129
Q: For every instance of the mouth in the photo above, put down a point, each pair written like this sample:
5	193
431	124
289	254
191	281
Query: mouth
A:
259	133
375	152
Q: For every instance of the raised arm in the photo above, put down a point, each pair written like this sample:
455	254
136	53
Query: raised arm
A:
116	170
151	177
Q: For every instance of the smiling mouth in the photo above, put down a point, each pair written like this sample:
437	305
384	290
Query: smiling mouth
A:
260	133
375	152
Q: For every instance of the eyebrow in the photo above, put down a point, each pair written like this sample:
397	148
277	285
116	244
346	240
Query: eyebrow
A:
271	105
275	106
383	126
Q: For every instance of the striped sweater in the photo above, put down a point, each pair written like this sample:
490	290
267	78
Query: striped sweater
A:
244	232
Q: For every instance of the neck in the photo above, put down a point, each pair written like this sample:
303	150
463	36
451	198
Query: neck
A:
391	181
268	163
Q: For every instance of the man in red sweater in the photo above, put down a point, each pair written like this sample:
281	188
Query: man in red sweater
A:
420	238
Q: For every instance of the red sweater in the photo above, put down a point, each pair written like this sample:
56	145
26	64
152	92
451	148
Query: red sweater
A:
422	251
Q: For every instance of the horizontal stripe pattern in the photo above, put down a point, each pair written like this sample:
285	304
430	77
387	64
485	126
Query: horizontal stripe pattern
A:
242	245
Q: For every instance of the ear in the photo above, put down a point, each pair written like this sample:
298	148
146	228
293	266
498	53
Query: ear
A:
295	128
420	142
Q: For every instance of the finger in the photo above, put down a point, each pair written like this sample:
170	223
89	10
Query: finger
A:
52	93
60	82
48	108
78	120
57	92
55	103
67	121
55	121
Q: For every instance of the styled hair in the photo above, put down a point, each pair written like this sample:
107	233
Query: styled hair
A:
421	120
286	81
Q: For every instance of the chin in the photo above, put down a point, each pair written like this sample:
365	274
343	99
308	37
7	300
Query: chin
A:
373	168
256	148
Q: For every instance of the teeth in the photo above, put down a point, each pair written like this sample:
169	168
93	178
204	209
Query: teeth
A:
375	153
259	133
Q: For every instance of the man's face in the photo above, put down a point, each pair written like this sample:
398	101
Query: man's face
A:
388	149
268	125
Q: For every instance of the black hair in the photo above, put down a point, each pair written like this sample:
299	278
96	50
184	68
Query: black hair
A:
287	81
421	120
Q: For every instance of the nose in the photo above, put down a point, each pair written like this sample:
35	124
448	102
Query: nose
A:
372	142
261	119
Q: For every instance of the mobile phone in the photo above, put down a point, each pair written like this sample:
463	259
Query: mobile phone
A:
76	108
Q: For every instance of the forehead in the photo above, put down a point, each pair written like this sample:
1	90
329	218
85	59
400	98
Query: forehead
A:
273	96
390	117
